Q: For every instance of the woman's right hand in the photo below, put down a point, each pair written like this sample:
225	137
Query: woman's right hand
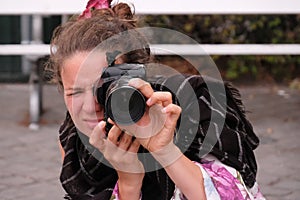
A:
120	149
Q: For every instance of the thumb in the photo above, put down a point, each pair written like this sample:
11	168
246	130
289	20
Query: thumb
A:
98	136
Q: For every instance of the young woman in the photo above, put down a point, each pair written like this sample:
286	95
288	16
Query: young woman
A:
101	163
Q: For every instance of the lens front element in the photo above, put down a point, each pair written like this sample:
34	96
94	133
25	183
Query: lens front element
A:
125	105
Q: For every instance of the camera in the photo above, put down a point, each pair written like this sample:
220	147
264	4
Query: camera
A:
123	104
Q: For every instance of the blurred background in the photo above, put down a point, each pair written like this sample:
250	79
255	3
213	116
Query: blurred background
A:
242	29
32	109
205	29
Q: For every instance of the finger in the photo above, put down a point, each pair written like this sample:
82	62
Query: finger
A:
134	147
114	134
125	141
97	136
111	121
164	97
173	111
143	86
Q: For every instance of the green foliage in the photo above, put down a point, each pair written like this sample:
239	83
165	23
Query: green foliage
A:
241	29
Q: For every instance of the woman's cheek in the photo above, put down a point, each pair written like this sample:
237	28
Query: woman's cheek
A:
74	106
74	109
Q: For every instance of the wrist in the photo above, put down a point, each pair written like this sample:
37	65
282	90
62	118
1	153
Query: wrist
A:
129	190
167	155
131	179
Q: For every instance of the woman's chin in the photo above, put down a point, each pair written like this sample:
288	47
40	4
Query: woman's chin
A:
86	130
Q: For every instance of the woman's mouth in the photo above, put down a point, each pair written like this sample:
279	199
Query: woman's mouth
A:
92	123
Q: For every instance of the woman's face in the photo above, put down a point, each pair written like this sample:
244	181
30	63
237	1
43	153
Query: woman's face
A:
79	75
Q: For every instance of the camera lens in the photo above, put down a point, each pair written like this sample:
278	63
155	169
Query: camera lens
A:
125	105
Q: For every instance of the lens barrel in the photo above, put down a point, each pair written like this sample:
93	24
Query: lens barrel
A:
124	104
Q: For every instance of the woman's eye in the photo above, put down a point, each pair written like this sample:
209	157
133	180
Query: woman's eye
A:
73	93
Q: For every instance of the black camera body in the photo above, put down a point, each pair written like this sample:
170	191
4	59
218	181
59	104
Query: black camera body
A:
123	104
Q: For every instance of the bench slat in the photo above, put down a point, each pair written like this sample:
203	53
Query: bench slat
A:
171	49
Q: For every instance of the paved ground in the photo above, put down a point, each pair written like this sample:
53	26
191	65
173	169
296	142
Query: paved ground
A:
30	160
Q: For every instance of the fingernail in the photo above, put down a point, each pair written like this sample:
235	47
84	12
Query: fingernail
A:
164	110
149	101
101	124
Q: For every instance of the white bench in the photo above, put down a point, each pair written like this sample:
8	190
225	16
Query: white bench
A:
37	8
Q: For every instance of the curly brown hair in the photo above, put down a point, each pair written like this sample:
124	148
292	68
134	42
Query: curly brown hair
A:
85	34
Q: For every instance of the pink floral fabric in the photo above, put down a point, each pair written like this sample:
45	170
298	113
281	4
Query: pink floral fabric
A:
225	183
221	182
